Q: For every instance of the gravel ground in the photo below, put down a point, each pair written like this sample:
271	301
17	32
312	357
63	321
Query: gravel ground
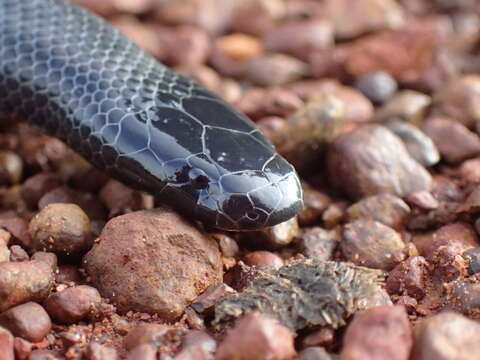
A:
376	103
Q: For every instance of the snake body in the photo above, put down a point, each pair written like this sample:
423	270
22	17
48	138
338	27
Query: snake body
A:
72	74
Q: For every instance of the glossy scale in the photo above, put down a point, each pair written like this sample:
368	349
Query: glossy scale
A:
69	72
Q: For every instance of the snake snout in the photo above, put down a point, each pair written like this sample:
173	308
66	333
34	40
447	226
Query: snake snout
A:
252	200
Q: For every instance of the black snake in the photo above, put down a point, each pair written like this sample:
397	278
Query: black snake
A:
69	72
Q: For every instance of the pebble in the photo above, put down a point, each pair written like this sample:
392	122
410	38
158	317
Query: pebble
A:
120	199
11	168
408	105
29	321
471	204
453	140
299	38
387	209
308	131
423	200
228	246
187	47
207	300
446	336
38	185
258	102
378	86
323	337
143	352
22	348
138	252
61	228
473	258
408	277
318	243
197	345
315	203
443	249
16	226
87	202
4	252
45	355
469	170
257	16
17	253
274	70
372	244
6	345
463	296
382	332
21	282
314	353
418	144
257	336
277	236
145	334
460	100
371	160
72	304
352	19
239	47
68	274
97	351
263	260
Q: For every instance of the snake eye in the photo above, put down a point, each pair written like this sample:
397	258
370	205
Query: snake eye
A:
198	178
252	215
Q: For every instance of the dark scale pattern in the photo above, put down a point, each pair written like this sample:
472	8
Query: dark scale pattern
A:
72	74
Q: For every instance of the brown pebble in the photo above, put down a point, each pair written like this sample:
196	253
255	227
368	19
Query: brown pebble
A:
207	300
120	199
315	203
372	160
318	243
146	334
17	253
61	228
16	226
388	209
454	141
6	345
423	200
407	105
257	336
143	352
460	99
408	302
22	348
382	332
228	245
263	260
372	244
72	304
89	203
197	345
21	282
45	355
256	17
408	277
314	353
97	351
29	321
11	168
277	236
38	185
446	336
464	297
322	337
274	70
259	102
239	47
443	248
309	130
193	319
68	274
352	19
469	170
138	252
299	38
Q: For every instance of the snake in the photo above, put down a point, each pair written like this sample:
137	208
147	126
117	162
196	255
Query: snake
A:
69	72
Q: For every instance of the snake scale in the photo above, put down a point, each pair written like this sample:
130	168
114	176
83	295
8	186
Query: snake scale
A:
70	73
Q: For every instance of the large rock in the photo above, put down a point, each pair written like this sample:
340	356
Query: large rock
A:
372	160
153	261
